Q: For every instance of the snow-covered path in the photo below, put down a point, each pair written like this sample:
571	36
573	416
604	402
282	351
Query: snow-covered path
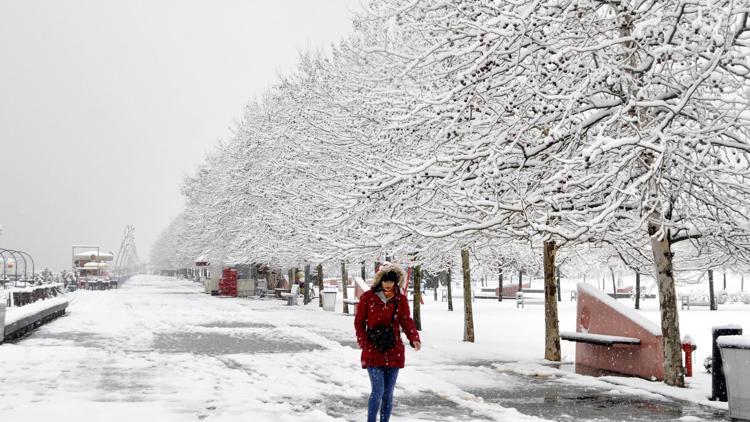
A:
158	349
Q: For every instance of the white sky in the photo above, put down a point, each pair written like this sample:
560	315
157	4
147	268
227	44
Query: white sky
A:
106	105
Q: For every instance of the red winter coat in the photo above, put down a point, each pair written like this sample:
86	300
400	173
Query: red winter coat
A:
372	311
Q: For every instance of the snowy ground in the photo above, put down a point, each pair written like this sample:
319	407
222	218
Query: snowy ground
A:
158	349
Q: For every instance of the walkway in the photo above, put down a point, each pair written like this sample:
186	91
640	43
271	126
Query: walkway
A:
158	349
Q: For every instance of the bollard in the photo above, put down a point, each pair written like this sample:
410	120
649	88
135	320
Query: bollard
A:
2	320
718	382
688	346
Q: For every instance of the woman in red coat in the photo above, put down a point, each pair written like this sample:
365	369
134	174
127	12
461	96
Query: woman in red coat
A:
384	306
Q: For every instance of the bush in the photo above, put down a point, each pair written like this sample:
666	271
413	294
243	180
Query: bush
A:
722	297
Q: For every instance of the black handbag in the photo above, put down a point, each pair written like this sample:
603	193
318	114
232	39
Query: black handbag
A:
382	336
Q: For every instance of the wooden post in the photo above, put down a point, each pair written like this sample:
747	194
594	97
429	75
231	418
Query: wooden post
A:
450	295
345	284
320	285
551	323
417	315
468	315
637	290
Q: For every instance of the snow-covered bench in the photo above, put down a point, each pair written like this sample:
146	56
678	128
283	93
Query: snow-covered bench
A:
486	293
620	295
529	296
292	296
352	302
598	339
687	303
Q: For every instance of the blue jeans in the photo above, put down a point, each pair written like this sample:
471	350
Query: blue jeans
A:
383	380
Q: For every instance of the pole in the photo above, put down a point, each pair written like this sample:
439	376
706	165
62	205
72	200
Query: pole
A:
500	284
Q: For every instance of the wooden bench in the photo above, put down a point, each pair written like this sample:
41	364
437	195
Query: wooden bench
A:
530	296
263	293
486	293
599	339
620	295
686	303
292	296
280	291
352	302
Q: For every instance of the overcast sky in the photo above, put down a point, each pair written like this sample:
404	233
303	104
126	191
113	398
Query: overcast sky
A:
106	105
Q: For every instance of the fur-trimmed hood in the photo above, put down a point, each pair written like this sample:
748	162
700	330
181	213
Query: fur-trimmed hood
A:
387	267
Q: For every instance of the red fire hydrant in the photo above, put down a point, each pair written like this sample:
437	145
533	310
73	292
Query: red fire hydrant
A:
688	346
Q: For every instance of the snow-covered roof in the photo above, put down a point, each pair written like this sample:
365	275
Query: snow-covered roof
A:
95	265
623	310
101	256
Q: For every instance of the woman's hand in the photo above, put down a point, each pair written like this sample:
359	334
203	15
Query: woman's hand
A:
417	345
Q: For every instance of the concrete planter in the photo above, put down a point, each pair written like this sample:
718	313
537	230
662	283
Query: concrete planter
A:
735	354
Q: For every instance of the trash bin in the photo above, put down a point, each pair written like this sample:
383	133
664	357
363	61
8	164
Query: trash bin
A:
718	383
329	300
735	354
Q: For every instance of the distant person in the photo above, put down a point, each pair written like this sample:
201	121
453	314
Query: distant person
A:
381	313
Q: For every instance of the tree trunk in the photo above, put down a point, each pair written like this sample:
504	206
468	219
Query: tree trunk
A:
670	324
320	285
363	272
435	291
742	283
725	280
291	277
637	290
614	286
416	314
450	293
551	323
468	315
559	290
500	284
345	283
520	280
308	284
711	296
